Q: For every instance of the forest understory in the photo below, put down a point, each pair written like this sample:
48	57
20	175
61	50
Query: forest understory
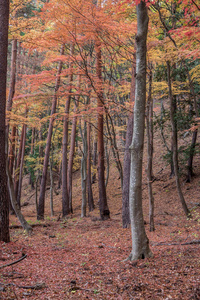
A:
85	258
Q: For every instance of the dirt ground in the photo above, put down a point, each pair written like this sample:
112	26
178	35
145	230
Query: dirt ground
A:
83	258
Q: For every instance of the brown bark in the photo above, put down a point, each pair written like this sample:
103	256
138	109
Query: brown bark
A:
40	212
71	152
65	195
149	121
17	169
103	206
12	150
175	142
4	198
89	173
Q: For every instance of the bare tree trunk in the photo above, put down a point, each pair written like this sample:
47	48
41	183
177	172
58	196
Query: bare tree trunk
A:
175	146
104	211
89	180
84	169
19	157
94	160
71	152
40	212
21	167
51	184
31	182
4	197
12	150
65	195
13	75
127	159
194	136
149	120
140	242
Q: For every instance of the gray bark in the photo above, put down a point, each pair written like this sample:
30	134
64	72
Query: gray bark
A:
140	242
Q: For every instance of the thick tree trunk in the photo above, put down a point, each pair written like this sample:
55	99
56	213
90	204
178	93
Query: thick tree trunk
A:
140	242
149	120
4	197
103	206
40	212
127	159
175	142
65	195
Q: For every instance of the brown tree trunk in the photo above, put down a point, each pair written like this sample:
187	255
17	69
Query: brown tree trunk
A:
127	158
13	75
12	150
89	174
31	182
103	206
40	212
94	160
71	152
21	166
4	197
175	142
149	121
65	195
19	157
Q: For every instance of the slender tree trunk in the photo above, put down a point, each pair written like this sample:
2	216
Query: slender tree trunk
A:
140	242
175	146
31	182
65	196
84	169
21	167
104	211
40	212
17	169
89	174
71	152
127	158
94	160
13	75
12	150
52	184
194	135
149	122
4	197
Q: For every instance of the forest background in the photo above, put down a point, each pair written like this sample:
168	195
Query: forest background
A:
70	98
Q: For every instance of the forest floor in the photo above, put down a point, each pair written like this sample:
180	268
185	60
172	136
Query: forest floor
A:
84	258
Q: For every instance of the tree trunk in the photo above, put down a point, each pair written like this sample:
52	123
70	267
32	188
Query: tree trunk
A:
12	150
140	242
94	160
89	174
4	197
13	75
19	157
31	181
175	146
21	167
40	212
194	136
71	152
149	120
84	169
127	159
65	195
103	206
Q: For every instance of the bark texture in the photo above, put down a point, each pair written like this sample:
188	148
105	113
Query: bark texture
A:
103	206
4	197
140	242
